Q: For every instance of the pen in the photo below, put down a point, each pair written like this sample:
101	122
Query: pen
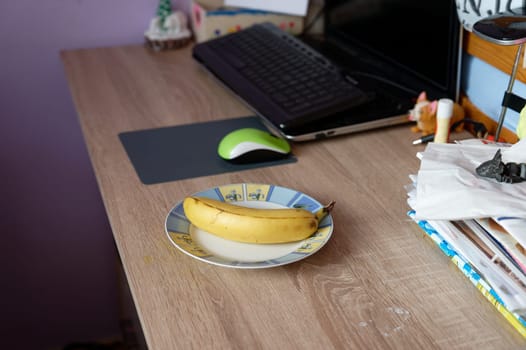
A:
424	139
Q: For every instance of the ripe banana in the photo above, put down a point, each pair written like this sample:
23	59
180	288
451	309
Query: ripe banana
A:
251	225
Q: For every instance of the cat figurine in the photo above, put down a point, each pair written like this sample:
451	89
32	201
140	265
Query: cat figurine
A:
424	114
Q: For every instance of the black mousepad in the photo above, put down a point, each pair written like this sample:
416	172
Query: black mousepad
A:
186	151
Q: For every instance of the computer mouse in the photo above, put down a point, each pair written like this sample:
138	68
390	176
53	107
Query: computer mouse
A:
251	145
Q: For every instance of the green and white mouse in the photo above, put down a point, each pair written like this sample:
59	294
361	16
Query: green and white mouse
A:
251	145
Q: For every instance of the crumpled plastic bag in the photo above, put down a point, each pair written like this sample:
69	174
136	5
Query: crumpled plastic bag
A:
447	186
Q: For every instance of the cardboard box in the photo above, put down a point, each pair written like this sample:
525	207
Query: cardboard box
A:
212	23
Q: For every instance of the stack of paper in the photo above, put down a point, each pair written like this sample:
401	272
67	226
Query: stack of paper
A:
478	222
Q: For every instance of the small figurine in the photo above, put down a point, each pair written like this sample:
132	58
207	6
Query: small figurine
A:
168	30
424	114
507	173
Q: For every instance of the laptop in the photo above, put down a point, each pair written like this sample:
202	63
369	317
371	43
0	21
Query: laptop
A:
365	72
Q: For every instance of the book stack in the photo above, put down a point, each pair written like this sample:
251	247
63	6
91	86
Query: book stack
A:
479	223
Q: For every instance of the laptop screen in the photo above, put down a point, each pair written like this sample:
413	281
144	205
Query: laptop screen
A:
412	42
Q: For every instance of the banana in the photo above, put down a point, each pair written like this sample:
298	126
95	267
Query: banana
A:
252	225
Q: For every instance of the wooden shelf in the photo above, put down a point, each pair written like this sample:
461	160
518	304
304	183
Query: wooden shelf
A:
474	113
500	57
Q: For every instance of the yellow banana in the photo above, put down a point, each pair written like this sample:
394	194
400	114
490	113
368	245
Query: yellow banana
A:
252	225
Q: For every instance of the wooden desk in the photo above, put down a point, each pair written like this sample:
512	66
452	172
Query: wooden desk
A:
378	283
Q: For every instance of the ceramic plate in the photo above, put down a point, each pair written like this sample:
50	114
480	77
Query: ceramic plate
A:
223	252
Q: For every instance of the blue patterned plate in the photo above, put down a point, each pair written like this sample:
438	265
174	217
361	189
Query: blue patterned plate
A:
215	250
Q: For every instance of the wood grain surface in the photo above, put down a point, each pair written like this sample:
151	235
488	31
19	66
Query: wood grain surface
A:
379	283
502	58
499	56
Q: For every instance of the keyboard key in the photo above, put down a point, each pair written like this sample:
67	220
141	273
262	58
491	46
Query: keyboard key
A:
285	71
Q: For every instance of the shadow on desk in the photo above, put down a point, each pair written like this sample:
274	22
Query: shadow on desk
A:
131	337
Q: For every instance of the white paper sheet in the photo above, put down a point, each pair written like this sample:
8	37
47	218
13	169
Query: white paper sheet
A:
292	7
508	289
448	188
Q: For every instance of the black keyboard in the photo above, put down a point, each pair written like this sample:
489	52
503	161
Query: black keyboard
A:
281	78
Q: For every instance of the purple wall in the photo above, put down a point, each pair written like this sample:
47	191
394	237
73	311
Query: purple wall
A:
58	257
